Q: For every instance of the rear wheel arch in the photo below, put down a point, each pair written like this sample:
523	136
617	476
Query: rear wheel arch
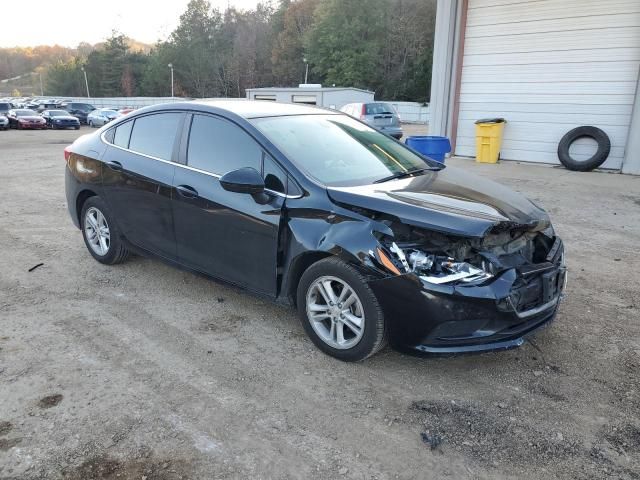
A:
82	197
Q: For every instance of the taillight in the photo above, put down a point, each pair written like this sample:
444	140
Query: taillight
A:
363	113
67	153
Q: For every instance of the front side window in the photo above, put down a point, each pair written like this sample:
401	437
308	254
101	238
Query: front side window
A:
274	177
219	146
155	134
338	150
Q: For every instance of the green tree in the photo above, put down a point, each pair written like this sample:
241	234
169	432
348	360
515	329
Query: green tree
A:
65	79
288	49
346	42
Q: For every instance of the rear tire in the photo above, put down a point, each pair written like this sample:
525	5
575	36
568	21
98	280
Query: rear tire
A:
101	234
353	344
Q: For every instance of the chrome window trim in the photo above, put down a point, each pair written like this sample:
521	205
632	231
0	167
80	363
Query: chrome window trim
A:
187	167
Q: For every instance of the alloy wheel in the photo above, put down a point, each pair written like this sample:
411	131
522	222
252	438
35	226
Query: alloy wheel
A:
335	312
97	231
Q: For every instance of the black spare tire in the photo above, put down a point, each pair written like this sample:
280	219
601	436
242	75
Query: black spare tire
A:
598	158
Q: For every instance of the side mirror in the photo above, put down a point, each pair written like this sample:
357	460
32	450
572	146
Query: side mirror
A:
244	180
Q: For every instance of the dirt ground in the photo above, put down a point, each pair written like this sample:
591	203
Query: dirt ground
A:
142	371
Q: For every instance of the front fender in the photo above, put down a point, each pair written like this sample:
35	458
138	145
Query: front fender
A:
313	234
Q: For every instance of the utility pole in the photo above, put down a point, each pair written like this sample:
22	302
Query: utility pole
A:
171	67
86	82
41	87
306	69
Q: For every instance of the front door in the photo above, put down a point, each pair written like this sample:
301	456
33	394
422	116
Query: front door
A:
228	235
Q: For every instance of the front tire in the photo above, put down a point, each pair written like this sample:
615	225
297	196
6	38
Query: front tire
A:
101	234
339	311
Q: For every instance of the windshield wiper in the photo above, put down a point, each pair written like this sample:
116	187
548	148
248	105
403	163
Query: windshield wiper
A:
408	173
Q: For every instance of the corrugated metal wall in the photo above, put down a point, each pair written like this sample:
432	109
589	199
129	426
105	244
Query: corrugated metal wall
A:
548	66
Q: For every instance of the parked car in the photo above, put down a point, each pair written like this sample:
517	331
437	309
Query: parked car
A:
379	115
49	105
78	110
102	116
25	118
369	240
60	119
5	107
4	122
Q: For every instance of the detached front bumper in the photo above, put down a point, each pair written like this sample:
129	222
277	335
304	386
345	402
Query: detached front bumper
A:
428	318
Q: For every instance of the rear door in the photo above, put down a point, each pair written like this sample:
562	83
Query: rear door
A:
228	235
138	177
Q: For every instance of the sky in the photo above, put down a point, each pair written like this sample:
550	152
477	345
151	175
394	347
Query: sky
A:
70	22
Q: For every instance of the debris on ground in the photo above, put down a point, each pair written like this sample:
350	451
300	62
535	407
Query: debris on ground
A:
50	401
433	440
36	266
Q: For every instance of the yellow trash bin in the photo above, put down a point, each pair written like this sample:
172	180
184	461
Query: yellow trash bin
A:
489	139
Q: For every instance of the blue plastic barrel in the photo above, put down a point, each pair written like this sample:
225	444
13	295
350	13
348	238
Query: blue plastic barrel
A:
430	145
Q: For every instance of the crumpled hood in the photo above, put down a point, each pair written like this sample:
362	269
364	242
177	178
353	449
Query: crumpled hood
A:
449	201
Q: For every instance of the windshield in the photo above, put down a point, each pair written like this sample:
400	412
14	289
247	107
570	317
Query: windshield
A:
25	113
338	150
107	112
57	113
378	109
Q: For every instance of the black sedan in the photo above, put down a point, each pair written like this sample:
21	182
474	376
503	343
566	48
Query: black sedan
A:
60	119
372	242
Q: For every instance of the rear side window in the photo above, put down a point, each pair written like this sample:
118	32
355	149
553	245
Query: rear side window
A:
122	134
155	135
219	146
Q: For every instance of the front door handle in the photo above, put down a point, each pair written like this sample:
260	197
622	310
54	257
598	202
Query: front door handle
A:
187	191
113	165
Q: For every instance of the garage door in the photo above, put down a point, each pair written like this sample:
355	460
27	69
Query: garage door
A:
548	66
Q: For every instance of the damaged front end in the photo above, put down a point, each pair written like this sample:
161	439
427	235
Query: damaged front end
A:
474	293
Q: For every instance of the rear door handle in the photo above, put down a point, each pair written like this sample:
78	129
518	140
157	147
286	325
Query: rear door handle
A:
187	191
113	165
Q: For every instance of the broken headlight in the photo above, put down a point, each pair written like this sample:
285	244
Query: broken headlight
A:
438	269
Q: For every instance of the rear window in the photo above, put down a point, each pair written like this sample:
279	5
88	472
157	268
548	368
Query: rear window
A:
154	135
379	109
5	106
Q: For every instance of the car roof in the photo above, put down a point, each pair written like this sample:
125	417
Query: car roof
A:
247	108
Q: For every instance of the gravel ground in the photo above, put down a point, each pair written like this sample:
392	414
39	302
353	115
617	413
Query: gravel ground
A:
143	371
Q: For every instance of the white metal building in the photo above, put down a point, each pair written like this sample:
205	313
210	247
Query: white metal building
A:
330	97
546	66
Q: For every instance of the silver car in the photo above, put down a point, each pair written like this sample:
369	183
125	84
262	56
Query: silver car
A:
102	116
380	115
